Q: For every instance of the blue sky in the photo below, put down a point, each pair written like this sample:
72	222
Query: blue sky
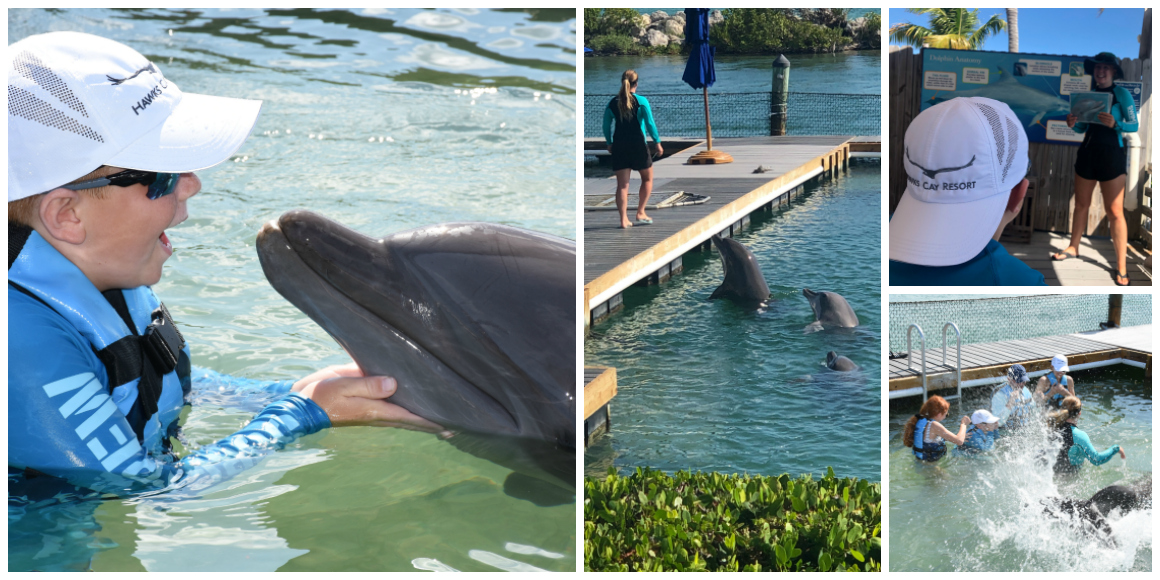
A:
1059	30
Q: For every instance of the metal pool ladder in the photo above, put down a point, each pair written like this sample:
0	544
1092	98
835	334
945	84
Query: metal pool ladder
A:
922	339
958	360
958	357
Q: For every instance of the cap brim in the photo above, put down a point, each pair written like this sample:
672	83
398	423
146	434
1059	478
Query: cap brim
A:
201	132
943	234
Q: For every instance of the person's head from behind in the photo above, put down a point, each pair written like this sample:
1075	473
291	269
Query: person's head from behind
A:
934	409
625	102
1017	377
101	152
1069	412
966	160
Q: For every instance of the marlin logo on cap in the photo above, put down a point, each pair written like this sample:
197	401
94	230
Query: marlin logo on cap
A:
117	81
932	173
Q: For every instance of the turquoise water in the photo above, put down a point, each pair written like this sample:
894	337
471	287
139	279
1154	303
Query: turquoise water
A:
706	385
383	120
985	514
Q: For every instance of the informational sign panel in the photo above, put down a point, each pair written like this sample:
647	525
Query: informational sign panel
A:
1137	90
1037	87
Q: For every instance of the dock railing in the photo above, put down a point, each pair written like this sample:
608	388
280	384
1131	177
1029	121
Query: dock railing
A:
747	114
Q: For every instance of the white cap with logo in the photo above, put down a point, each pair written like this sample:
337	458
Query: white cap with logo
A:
1059	363
983	416
962	159
78	101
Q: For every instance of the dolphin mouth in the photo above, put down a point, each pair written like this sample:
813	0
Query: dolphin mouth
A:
289	250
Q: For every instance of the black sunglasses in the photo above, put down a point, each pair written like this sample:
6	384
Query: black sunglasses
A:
160	184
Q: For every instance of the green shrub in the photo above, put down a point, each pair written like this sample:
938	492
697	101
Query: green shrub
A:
769	31
604	21
651	521
615	44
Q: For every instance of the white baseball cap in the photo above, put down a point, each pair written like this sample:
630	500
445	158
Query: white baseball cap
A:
78	101
1059	363
962	159
983	416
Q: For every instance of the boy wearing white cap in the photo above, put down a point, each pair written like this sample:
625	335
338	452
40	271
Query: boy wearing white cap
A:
101	149
966	162
1053	387
980	434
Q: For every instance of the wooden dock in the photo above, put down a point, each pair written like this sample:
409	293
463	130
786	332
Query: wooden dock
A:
1094	267
615	258
599	389
986	363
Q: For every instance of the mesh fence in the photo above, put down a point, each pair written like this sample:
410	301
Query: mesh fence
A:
1010	318
747	114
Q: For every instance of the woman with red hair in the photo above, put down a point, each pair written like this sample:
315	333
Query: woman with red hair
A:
927	436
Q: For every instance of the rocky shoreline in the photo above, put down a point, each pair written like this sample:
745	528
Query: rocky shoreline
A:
663	33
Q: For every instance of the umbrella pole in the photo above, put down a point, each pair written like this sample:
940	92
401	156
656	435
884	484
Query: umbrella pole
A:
708	126
709	156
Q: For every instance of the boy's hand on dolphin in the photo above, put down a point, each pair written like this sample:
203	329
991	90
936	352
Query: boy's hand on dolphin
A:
1107	120
352	401
334	371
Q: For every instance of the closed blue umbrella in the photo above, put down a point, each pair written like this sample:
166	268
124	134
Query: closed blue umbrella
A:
699	74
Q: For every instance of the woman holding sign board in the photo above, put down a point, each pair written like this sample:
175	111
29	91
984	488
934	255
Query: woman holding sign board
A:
1102	158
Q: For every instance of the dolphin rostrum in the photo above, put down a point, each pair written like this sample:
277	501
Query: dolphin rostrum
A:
743	279
837	362
475	321
831	311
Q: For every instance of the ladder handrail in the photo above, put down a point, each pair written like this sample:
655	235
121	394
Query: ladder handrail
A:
958	355
922	338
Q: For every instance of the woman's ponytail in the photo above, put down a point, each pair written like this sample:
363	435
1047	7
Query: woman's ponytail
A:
624	100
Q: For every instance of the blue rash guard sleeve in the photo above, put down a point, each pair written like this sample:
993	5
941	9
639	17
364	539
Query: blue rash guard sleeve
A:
1082	448
647	125
62	421
1126	121
608	117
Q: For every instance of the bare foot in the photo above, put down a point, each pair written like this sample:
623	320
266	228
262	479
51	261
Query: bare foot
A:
625	224
642	217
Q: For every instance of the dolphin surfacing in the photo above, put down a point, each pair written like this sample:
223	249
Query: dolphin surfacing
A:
475	321
831	311
837	362
743	279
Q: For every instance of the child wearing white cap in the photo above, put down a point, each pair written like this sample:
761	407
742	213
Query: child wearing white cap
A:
966	160
1053	387
980	434
101	150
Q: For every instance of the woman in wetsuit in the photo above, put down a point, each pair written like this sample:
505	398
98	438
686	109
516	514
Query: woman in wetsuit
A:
1076	445
927	436
1102	158
633	117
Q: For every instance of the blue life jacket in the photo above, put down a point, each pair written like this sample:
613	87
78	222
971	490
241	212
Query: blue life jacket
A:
1057	399
923	450
145	358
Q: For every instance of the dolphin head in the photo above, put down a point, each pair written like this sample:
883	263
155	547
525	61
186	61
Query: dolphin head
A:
830	358
476	321
743	278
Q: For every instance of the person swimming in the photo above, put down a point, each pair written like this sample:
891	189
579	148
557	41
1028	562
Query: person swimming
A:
980	434
930	443
1076	445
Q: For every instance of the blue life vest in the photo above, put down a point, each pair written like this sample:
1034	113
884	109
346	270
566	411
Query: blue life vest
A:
1057	399
923	450
147	365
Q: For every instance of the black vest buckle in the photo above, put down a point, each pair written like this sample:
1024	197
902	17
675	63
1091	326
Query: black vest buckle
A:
162	342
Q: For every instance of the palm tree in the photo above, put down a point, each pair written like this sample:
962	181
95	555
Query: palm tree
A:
955	28
1012	30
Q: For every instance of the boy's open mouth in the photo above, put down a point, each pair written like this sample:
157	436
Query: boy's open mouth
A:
166	243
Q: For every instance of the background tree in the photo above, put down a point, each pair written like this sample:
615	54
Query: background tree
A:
1012	30
955	28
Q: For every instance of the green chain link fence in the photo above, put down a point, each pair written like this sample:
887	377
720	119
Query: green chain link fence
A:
747	114
1010	318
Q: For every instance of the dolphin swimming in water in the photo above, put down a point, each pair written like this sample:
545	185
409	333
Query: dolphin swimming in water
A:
831	311
1025	101
1133	496
837	362
743	279
475	321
